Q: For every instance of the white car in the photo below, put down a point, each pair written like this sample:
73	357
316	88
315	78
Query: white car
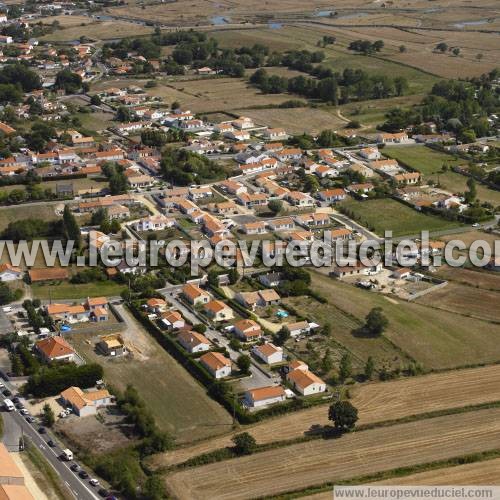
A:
94	482
2	385
475	224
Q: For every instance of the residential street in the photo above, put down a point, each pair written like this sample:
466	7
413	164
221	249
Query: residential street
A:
15	425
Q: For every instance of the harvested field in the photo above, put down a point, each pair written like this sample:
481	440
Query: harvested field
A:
376	402
474	235
463	299
472	277
484	472
204	95
420	45
295	120
313	463
96	30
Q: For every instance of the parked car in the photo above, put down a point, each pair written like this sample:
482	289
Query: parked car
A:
42	430
51	443
103	492
2	385
94	482
83	474
23	411
30	419
16	400
7	393
75	467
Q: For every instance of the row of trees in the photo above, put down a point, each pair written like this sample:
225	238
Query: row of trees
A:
53	379
332	88
366	47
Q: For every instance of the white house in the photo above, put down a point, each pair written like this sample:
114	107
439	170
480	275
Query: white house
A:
306	382
217	364
173	320
268	353
55	349
194	342
264	396
195	295
85	403
154	223
370	153
275	134
10	273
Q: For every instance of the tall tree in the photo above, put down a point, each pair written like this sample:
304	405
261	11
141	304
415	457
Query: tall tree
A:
343	415
71	227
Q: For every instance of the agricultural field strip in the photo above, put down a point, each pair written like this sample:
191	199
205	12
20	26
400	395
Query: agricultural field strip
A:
317	462
376	402
482	472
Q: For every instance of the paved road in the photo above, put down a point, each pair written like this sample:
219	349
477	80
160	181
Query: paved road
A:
15	425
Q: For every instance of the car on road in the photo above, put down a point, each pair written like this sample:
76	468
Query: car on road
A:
23	411
30	419
42	430
2	385
103	492
83	474
75	467
51	443
7	393
16	400
94	482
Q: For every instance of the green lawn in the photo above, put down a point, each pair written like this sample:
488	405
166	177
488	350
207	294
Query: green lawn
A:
436	338
387	214
65	290
421	158
429	162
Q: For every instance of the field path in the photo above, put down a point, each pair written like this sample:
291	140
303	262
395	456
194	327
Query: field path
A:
376	402
360	453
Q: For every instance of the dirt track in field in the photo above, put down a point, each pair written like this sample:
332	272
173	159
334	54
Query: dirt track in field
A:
360	453
376	402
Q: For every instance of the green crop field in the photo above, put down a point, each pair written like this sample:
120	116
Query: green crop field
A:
429	163
389	215
421	158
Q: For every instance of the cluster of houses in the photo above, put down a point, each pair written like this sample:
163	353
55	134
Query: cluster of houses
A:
249	332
